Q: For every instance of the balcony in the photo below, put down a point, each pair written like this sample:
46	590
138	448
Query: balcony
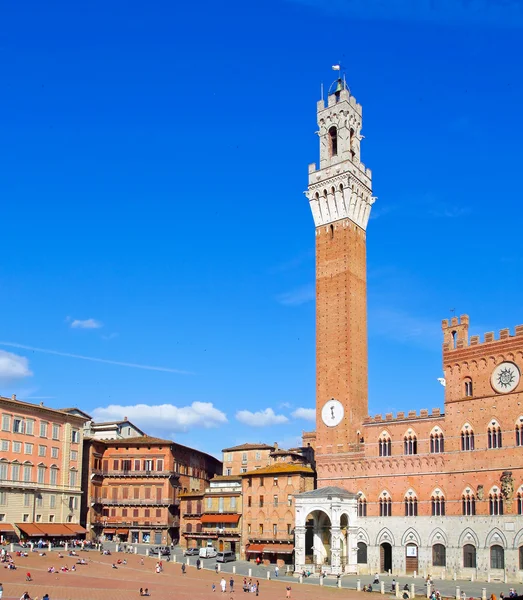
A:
193	514
31	485
131	473
135	502
114	522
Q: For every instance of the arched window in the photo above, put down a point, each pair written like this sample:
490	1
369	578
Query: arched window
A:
385	505
519	432
362	553
410	442
188	528
385	444
467	438
439	555
198	527
438	504
411	505
468	504
189	507
495	503
497	557
494	435
468	387
437	442
333	137
521	558
469	556
362	506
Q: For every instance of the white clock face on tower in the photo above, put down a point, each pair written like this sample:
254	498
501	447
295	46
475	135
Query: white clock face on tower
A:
505	377
332	413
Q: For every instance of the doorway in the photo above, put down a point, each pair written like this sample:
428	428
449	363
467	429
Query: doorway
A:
411	558
158	537
385	557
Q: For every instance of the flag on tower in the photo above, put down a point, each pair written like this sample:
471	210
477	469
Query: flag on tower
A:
336	67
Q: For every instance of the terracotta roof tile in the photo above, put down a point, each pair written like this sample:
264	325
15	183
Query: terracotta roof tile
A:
259	446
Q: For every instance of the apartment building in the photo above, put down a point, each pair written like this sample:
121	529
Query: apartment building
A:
40	471
134	484
246	457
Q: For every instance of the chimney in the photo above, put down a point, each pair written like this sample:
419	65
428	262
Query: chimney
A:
13	397
276	445
125	418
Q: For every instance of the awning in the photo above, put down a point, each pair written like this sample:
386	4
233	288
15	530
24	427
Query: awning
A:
6	528
220	519
109	531
55	530
75	528
278	548
30	529
122	531
255	548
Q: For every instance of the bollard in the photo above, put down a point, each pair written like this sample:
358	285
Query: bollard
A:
117	548
472	577
147	552
300	579
338	583
12	547
218	568
397	590
455	576
429	591
234	569
412	590
483	593
358	585
488	578
159	555
188	562
250	572
321	579
505	579
50	546
174	558
66	546
390	572
415	574
268	574
457	593
136	549
382	587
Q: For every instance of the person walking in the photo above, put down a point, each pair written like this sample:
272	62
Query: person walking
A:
223	585
231	585
198	564
276	571
216	568
288	590
1	590
183	568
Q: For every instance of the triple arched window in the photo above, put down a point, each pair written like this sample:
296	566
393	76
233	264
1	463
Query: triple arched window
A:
410	443
437	442
437	504
385	444
468	503
385	502
467	438
362	506
494	436
411	505
495	503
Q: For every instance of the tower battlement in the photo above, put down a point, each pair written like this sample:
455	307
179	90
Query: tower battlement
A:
455	334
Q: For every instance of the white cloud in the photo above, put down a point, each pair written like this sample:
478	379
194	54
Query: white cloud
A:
308	414
13	366
164	416
262	418
86	324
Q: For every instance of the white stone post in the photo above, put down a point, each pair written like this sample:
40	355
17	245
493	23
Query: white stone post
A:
358	585
412	590
66	546
32	546
415	574
250	573
397	590
338	583
300	579
483	593
159	555
488	577
321	579
268	574
12	547
50	546
455	576
136	549
117	547
429	590
382	587
188	562
147	552
458	595
234	569
173	557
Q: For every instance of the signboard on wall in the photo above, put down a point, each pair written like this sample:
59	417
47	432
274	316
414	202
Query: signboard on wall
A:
412	551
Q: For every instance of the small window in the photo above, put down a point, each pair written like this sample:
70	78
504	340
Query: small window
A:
438	506
469	556
275	500
56	432
362	507
18	425
411	506
276	481
495	504
468	388
258	455
261	501
362	553
437	443
333	137
497	557
51	518
289	500
43	429
385	507
411	444
494	436
385	446
468	505
467	439
275	529
75	436
54	452
6	423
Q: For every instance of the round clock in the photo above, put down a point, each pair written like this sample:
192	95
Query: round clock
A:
332	413
505	377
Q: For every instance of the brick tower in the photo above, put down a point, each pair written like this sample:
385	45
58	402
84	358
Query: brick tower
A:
340	197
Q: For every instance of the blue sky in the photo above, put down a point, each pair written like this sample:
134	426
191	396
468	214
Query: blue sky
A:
152	166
